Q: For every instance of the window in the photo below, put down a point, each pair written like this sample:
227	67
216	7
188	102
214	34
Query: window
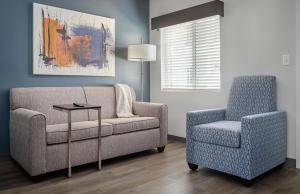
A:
191	55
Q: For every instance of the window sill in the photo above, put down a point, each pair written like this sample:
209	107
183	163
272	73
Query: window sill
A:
192	90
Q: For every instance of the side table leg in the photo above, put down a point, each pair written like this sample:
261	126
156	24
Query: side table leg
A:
69	145
99	138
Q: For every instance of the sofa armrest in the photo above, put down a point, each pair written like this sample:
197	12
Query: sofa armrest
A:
154	110
264	139
28	140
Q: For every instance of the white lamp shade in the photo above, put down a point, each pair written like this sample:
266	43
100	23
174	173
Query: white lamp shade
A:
141	52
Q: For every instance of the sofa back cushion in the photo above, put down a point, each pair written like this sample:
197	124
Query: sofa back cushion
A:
104	96
251	95
42	99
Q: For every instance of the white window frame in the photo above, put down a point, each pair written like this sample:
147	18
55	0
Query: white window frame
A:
163	66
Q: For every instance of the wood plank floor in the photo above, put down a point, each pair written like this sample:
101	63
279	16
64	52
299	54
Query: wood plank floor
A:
146	173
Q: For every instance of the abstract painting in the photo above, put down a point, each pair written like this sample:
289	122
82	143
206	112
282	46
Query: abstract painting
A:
68	42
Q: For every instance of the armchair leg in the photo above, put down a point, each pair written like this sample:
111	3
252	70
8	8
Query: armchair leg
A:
193	167
281	166
161	149
247	183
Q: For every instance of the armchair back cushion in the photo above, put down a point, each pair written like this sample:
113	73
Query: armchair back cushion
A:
251	95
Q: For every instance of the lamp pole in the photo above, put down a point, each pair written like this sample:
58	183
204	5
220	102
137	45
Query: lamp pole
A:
142	76
142	80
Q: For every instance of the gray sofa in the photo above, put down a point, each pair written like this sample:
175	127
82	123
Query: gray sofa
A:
38	133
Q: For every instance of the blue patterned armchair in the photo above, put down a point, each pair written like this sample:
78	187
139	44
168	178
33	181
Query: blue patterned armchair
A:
246	139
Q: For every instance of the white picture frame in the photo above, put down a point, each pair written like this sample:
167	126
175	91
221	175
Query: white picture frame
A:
67	42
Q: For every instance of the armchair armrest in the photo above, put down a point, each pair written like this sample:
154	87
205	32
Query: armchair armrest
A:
28	140
264	139
154	110
204	116
194	118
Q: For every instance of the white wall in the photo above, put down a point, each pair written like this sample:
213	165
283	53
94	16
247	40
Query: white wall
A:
254	36
298	82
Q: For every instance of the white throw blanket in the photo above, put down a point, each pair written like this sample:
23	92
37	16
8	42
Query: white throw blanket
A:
125	95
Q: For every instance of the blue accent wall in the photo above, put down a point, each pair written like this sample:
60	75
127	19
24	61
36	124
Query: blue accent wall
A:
132	24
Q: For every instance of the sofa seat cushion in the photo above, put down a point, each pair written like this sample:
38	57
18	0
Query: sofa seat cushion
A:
224	133
80	131
127	125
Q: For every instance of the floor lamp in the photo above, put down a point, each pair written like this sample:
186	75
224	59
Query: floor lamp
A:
142	53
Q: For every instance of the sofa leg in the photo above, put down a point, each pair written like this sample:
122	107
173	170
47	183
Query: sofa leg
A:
247	183
193	167
161	149
38	178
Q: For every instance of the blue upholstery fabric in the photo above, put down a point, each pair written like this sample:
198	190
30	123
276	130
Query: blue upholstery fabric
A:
263	139
251	95
200	117
224	133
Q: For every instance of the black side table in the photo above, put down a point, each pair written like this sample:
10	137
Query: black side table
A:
69	108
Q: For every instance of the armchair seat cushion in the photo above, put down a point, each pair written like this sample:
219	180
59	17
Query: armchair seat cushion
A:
127	125
80	131
223	133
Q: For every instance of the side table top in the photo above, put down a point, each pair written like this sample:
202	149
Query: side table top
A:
70	107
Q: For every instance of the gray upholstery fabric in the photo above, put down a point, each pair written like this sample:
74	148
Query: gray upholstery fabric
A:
80	130
112	146
251	95
104	96
224	133
32	110
126	125
28	140
42	99
157	110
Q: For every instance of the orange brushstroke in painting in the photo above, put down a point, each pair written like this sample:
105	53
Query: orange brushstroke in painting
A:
81	46
65	52
55	46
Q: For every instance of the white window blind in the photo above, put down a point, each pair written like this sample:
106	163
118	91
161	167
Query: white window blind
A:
191	55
